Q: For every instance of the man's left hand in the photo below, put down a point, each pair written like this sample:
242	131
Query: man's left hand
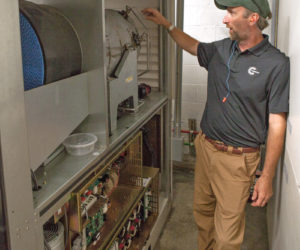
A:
263	191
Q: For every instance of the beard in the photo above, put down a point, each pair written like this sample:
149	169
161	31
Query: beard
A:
238	34
235	36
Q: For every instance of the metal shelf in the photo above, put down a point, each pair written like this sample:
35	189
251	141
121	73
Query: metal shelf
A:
65	173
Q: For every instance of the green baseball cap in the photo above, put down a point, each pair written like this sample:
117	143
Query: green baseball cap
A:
259	6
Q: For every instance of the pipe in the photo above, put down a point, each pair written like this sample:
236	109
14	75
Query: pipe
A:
275	11
189	132
178	82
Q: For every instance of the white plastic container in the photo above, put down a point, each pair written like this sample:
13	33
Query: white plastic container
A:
80	144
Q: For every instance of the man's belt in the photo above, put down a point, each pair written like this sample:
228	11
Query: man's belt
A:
234	150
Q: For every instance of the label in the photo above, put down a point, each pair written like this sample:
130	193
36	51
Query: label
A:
129	79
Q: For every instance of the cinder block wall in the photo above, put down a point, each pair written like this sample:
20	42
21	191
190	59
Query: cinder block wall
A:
203	21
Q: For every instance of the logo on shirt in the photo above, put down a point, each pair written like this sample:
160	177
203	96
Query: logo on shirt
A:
252	71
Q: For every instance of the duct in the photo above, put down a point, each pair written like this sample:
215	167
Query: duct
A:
178	86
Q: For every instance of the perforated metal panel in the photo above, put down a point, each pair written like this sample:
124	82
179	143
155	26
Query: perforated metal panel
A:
32	55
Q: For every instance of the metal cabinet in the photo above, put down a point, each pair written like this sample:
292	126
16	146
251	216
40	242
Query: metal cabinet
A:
34	123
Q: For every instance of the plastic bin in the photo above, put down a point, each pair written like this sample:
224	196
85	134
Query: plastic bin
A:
80	144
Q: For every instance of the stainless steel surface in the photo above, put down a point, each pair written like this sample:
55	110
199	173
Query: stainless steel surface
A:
123	43
178	83
63	172
3	211
61	175
55	109
123	87
15	159
127	124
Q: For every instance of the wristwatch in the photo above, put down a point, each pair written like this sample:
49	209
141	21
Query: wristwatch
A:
171	27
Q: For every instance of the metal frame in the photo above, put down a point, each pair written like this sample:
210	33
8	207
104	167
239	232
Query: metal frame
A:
24	221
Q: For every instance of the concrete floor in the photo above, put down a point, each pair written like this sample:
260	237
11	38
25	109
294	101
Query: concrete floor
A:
180	232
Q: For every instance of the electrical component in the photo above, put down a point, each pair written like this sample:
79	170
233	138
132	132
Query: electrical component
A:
146	204
93	233
87	204
144	90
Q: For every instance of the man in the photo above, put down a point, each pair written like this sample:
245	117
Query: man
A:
247	102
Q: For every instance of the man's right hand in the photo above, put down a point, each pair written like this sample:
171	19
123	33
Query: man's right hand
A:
183	40
156	17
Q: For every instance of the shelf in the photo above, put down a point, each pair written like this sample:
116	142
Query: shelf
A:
61	175
65	172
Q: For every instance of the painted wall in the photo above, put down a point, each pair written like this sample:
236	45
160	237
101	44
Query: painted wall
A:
284	208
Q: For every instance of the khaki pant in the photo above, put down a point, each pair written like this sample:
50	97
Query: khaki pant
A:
222	184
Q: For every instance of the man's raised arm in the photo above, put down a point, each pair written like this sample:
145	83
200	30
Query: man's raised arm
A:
182	39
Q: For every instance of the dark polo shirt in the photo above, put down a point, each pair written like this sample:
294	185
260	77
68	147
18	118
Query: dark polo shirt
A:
258	83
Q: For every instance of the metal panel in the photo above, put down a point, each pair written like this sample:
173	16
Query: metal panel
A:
3	212
55	109
22	223
87	18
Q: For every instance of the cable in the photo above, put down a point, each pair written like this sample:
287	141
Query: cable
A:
228	75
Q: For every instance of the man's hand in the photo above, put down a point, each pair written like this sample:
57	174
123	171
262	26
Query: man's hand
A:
156	17
183	40
263	191
263	187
